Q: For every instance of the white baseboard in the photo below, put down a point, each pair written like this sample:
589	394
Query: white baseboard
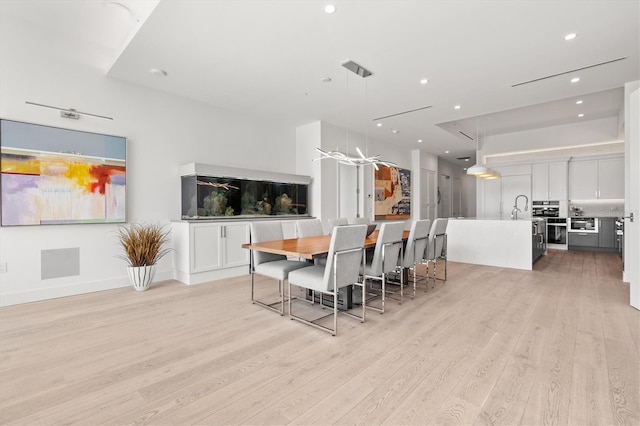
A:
8	299
203	277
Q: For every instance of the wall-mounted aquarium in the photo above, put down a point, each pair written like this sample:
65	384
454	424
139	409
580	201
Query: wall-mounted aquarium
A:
210	192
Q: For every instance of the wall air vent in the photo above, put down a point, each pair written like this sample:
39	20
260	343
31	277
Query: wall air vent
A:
355	68
463	158
569	72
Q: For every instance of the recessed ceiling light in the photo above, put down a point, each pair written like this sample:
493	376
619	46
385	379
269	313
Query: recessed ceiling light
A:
424	81
575	79
419	140
326	79
446	152
158	72
395	131
466	159
456	107
580	115
579	102
570	36
330	8
464	168
379	124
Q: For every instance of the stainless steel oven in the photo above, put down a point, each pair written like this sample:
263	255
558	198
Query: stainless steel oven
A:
557	233
545	208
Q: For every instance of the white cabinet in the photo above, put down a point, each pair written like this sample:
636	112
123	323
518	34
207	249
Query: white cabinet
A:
596	179
611	178
209	251
500	195
549	181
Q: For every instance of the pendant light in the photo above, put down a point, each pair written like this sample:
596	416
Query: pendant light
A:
479	170
361	159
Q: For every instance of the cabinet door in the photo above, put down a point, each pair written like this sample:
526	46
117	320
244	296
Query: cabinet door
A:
206	247
583	239
607	232
583	180
558	180
234	236
491	201
611	178
540	181
512	186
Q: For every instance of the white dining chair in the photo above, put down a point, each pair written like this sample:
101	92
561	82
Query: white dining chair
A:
309	228
344	261
338	221
361	221
271	265
416	246
437	246
387	252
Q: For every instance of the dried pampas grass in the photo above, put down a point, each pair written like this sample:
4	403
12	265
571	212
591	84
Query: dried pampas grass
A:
143	244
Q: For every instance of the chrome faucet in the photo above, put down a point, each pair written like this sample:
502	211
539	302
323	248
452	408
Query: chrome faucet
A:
514	212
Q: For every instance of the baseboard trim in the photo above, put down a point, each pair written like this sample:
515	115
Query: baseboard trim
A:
37	295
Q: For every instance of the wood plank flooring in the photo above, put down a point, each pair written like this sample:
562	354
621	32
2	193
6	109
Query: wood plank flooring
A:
557	345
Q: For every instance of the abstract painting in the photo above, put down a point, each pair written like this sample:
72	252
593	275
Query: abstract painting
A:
393	193
59	176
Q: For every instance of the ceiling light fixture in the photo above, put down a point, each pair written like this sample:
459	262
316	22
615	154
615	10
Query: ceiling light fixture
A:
478	170
580	115
362	159
379	124
446	152
575	79
570	36
456	107
325	79
395	131
579	102
158	72
330	9
424	81
419	140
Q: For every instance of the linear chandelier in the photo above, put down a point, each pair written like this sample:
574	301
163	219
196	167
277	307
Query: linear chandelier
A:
347	159
363	160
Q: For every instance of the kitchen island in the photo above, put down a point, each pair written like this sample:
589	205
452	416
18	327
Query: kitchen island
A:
493	242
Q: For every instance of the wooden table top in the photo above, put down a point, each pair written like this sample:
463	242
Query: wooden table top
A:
309	247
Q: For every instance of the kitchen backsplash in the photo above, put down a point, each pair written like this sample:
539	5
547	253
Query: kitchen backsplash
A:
598	208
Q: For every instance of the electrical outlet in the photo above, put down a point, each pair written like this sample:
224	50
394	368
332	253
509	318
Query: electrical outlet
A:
3	267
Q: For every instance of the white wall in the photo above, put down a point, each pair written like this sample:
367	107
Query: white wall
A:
163	132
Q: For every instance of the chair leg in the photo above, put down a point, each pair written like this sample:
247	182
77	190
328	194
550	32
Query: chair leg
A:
415	270
335	312
384	290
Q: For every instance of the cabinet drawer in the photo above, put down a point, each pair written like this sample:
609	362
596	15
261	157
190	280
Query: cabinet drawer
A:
583	239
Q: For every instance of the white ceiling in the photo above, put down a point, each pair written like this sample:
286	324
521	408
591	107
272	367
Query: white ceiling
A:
265	58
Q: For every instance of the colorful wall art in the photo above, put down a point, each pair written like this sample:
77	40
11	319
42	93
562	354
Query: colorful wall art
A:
59	176
393	193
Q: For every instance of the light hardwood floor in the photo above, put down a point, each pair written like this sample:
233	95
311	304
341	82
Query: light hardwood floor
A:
558	345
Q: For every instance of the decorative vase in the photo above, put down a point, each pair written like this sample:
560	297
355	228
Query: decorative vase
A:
141	276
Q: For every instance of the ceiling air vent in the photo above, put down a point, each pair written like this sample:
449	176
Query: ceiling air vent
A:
465	135
569	72
463	158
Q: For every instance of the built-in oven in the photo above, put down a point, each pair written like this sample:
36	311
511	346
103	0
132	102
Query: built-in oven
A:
557	233
545	208
584	224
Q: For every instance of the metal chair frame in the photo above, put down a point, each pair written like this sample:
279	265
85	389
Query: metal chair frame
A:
382	277
334	293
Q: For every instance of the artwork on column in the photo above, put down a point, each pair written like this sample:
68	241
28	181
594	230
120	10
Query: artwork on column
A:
60	176
393	193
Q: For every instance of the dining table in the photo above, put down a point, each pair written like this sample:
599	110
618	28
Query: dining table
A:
311	248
